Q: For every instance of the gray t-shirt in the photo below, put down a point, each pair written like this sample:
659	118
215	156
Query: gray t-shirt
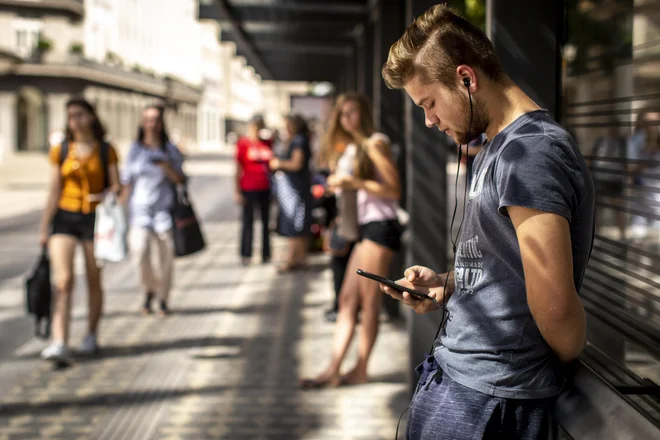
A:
491	342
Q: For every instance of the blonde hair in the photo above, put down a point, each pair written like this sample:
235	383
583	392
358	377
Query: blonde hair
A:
434	45
336	138
364	166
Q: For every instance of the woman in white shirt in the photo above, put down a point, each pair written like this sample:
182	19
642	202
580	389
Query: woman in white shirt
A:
350	123
375	182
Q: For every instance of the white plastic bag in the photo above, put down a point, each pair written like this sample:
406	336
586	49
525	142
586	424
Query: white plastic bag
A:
110	231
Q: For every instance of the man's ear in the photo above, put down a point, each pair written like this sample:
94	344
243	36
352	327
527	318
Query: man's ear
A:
466	78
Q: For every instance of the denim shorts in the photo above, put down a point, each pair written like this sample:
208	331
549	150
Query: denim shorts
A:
443	409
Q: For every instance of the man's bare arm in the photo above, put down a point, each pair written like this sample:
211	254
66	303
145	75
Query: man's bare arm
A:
545	248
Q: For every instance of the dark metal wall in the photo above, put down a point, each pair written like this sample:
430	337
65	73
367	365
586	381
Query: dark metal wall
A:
527	36
426	182
421	154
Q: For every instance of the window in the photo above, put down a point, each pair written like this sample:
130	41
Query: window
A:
26	36
611	89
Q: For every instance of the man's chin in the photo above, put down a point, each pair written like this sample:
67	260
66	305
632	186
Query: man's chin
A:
458	140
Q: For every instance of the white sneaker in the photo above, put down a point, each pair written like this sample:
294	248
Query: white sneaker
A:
56	351
88	345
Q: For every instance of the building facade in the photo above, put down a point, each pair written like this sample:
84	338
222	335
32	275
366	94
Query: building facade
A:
121	55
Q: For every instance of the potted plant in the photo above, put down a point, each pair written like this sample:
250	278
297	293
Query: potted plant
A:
76	51
113	59
44	45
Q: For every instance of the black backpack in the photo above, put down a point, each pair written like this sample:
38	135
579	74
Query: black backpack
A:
105	154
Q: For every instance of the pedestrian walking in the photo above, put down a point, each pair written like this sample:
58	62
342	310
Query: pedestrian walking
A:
84	171
153	167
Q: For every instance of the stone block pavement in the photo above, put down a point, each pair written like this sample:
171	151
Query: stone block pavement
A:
224	365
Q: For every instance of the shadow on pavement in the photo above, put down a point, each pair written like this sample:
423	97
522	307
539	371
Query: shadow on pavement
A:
189	311
214	287
103	400
110	351
398	404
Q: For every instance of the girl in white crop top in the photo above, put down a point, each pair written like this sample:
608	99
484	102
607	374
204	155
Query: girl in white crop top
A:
376	179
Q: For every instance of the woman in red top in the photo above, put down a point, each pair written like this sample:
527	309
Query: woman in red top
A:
253	186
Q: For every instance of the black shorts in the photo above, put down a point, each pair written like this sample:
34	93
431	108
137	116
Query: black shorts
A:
75	224
385	233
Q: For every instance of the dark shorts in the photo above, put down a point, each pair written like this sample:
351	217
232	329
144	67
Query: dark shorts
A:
385	233
443	409
75	224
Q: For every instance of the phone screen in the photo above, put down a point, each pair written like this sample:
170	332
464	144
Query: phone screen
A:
394	285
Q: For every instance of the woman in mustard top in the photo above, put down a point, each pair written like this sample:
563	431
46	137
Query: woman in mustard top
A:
78	184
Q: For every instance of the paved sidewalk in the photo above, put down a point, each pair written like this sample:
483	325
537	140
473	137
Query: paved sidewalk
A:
225	365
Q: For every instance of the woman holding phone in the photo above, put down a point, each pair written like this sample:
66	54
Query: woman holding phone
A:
84	170
153	166
376	180
351	122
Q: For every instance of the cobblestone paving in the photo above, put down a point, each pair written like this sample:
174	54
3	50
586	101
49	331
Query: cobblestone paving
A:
225	365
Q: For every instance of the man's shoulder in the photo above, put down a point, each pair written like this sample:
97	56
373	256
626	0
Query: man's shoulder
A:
542	134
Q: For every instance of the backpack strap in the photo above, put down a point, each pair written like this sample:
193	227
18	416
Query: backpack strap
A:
64	152
105	157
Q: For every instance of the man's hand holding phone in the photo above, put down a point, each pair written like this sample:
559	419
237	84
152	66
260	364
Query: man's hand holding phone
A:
426	281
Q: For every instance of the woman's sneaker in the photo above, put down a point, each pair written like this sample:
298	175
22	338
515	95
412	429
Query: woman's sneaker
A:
56	351
88	346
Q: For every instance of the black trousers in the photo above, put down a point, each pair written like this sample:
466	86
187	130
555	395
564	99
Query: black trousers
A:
338	265
252	200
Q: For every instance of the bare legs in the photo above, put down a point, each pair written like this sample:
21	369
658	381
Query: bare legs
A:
62	250
346	322
93	288
297	253
357	291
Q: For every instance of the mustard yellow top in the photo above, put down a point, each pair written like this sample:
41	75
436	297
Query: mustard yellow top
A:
81	177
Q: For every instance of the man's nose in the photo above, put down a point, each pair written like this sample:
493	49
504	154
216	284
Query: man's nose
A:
430	120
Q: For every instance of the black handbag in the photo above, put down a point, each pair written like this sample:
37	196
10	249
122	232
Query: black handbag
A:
188	236
38	295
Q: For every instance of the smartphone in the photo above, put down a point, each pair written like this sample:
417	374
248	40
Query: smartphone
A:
394	285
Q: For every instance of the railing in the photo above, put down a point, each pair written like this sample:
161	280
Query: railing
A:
592	409
609	397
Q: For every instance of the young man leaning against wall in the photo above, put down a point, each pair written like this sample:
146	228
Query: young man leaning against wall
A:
514	315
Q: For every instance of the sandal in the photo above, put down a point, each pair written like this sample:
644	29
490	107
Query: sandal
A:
164	310
315	384
286	267
146	308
